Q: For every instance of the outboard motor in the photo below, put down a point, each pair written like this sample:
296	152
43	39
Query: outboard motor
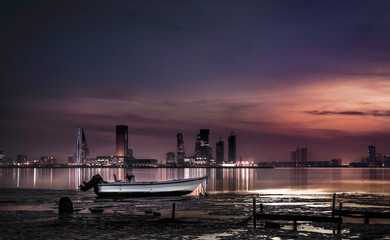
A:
92	183
130	178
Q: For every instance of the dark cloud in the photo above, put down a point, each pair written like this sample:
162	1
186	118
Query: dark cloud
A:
167	66
375	113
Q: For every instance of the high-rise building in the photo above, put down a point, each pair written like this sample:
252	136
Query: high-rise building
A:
232	148
197	144
204	137
220	151
170	159
181	154
372	160
2	157
70	159
121	140
203	151
299	157
82	151
21	159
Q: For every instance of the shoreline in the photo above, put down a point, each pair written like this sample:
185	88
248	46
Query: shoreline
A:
84	166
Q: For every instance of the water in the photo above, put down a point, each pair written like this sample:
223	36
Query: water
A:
220	180
29	203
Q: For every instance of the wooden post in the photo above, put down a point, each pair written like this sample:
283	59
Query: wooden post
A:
366	218
295	225
173	210
340	219
254	212
333	204
261	208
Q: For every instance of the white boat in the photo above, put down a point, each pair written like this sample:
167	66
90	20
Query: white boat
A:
130	188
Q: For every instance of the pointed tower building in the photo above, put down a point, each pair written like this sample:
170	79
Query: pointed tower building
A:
82	151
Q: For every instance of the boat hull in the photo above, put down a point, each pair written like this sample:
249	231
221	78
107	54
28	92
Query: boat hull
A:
148	189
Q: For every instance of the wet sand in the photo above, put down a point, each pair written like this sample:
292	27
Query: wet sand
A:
33	214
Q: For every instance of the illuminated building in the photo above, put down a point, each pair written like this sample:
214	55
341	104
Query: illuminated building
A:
170	159
203	151
48	160
110	160
142	163
70	159
299	157
82	151
220	151
2	157
372	160
181	154
121	140
22	159
232	148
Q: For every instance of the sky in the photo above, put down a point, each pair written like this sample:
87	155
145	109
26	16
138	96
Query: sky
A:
279	74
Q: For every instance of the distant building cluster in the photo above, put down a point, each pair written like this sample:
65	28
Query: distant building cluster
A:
299	157
203	152
372	159
123	155
201	157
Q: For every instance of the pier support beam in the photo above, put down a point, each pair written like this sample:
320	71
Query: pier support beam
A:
173	210
340	219
333	204
254	212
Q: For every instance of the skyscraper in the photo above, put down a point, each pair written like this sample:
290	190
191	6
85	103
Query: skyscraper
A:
181	154
299	157
232	148
203	151
372	161
170	159
82	151
121	140
220	151
21	159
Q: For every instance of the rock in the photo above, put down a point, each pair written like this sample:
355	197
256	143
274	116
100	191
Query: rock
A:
65	206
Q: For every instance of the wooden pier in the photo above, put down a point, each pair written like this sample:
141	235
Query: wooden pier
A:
358	214
305	218
294	218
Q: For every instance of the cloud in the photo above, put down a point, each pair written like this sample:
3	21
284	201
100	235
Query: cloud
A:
375	113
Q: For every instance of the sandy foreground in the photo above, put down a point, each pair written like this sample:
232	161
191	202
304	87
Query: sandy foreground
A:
33	214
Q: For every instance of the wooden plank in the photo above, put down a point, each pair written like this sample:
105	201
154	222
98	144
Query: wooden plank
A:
362	214
333	204
284	217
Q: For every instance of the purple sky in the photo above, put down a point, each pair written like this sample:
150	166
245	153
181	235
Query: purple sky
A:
280	74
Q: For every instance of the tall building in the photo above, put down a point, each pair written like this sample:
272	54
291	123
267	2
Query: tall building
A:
197	144
181	154
170	159
372	159
82	151
203	151
204	137
232	148
299	157
70	159
21	159
2	157
121	140
220	151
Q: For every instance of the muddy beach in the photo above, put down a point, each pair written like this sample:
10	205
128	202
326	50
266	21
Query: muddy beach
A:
33	214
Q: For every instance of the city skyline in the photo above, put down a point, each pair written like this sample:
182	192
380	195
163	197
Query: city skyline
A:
278	74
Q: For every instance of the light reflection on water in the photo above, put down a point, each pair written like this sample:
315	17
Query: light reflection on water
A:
220	180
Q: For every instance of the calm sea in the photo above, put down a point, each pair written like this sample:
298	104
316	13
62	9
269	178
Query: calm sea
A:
220	180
